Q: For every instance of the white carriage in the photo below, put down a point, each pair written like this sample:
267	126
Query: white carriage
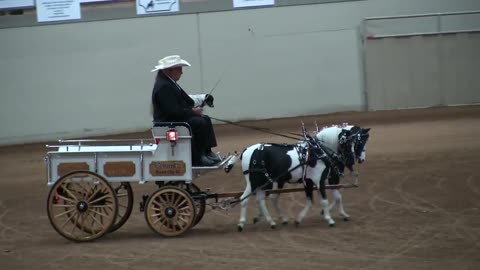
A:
90	191
91	195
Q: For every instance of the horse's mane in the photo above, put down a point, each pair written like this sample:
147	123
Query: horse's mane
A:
342	125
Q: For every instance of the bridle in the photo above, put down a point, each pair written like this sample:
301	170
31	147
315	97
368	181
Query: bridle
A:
360	140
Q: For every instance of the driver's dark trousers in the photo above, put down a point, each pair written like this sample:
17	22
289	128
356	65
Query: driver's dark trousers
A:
203	136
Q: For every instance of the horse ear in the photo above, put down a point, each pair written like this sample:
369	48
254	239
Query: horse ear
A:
366	130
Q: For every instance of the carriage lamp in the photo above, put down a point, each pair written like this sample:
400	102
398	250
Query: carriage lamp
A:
172	136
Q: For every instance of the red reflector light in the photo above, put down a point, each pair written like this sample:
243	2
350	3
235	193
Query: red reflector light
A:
172	135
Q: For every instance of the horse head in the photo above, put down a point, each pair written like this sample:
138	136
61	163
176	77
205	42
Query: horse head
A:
361	136
346	142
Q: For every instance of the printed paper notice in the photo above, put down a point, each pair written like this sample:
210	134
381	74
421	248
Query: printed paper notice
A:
58	10
252	3
90	1
156	6
16	3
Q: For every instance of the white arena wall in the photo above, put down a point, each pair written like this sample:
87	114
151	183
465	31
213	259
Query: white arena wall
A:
93	78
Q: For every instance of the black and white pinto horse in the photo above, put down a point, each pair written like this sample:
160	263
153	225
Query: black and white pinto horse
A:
360	138
271	166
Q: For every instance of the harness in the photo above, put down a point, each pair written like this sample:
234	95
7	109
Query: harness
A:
306	157
259	162
332	158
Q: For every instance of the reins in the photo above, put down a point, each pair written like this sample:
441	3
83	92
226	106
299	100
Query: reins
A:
265	130
312	143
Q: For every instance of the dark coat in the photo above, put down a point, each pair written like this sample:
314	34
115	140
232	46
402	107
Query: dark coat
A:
170	103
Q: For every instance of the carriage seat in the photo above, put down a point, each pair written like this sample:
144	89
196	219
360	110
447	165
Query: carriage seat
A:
164	132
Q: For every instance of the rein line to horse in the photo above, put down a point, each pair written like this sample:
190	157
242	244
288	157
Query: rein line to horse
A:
270	180
265	130
300	137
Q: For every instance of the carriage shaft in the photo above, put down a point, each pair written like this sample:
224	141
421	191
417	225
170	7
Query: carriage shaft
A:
278	191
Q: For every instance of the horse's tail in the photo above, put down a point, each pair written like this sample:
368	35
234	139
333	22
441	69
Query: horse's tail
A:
241	155
232	161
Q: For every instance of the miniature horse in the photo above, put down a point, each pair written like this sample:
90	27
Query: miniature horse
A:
360	138
271	166
330	142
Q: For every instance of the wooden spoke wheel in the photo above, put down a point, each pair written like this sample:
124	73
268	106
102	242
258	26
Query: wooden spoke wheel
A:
82	206
170	211
200	203
124	194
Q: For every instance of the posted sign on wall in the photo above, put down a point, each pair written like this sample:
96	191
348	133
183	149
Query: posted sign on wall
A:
156	6
252	3
58	10
16	3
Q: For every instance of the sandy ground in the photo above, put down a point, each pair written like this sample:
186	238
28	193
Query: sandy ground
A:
417	207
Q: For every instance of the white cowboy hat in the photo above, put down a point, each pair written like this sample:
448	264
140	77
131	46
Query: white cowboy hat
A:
170	62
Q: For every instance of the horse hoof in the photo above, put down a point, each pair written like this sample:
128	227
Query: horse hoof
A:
285	223
255	220
346	219
331	225
240	228
297	223
321	213
273	226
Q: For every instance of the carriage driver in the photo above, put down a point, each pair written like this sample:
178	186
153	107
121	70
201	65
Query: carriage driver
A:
172	104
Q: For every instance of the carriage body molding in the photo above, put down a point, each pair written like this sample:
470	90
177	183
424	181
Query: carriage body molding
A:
140	160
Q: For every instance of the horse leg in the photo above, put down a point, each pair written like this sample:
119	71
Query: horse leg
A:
279	210
332	205
275	198
333	179
263	208
354	175
303	213
260	214
338	198
244	203
324	200
308	185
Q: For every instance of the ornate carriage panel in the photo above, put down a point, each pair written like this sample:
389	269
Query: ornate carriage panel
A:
60	164
120	166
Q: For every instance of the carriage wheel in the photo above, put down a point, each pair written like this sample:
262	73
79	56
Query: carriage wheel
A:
200	203
82	206
170	211
124	194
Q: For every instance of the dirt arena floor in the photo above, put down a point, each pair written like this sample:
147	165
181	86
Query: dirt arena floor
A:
417	207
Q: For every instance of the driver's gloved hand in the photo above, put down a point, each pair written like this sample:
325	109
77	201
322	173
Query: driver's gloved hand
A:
209	100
